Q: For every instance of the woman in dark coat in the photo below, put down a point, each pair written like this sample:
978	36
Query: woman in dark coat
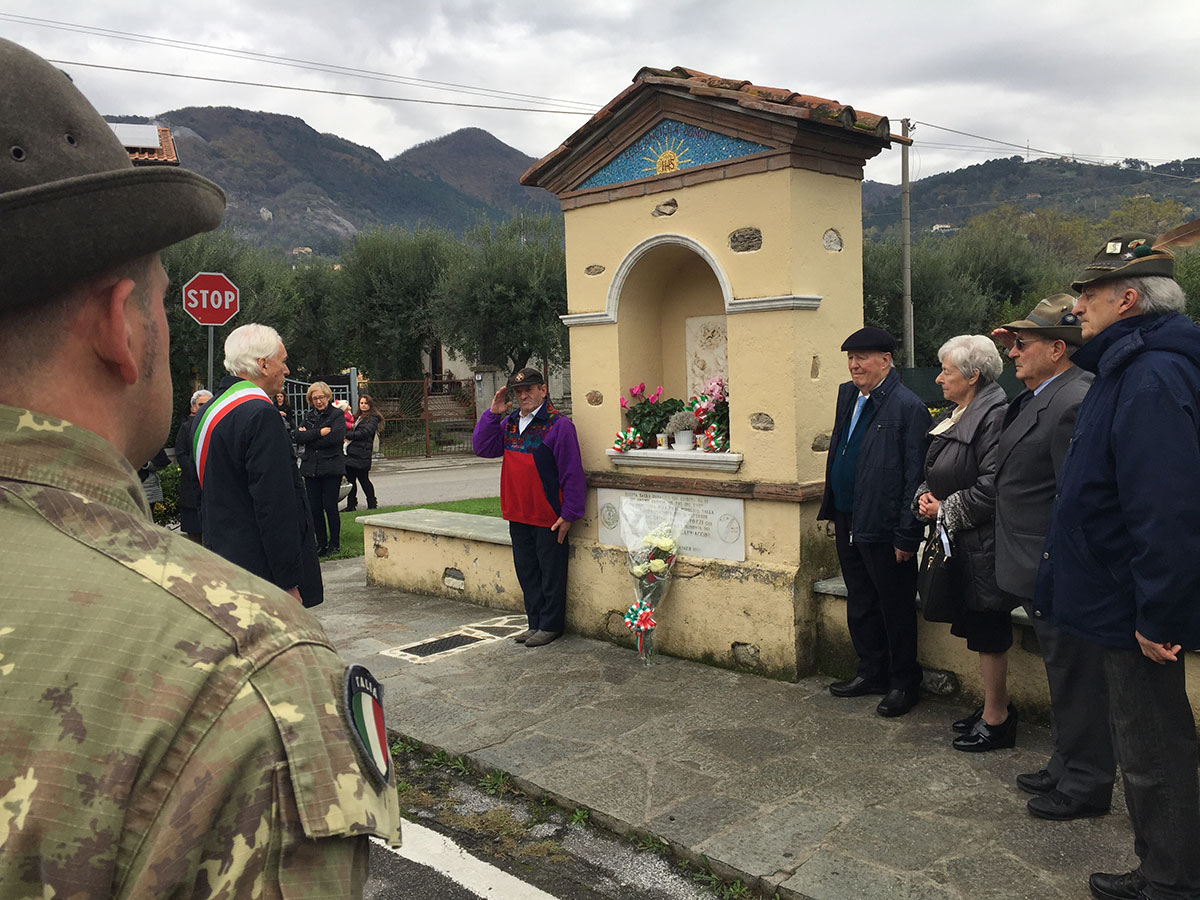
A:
285	412
321	435
959	494
360	443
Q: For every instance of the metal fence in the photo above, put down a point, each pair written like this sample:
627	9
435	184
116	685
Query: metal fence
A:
921	381
433	417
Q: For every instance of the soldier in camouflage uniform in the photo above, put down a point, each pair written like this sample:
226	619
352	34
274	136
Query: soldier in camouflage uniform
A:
172	726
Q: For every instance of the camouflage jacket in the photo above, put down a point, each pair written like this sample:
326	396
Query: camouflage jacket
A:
172	725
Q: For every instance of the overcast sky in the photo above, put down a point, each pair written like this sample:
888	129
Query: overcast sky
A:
1094	79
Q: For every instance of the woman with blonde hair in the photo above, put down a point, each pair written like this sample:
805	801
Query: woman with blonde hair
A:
959	495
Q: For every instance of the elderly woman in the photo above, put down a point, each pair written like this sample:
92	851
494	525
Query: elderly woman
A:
321	435
959	492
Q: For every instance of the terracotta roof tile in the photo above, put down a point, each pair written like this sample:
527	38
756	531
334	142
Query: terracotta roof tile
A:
163	155
775	101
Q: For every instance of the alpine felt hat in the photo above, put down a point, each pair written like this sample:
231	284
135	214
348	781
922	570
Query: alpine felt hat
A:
1133	254
1052	318
71	202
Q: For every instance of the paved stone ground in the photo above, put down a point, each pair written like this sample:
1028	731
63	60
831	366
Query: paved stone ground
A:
777	783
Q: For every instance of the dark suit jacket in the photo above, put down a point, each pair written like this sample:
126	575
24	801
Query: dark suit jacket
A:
254	506
1029	458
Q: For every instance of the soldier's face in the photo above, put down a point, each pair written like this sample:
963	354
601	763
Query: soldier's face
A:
1033	357
154	369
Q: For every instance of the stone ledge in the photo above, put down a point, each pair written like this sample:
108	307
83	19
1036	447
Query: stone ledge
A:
676	459
836	587
443	522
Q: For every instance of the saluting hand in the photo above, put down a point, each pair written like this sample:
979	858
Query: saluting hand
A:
500	402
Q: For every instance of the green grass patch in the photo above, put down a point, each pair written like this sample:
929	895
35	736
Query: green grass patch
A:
352	532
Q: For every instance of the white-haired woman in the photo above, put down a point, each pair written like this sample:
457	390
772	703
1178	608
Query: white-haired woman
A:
323	465
959	491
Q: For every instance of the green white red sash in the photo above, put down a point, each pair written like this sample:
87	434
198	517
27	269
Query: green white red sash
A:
216	410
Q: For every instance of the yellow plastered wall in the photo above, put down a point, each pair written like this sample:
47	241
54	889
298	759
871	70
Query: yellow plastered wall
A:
659	270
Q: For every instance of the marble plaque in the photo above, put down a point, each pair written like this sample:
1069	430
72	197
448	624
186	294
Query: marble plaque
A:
707	354
707	527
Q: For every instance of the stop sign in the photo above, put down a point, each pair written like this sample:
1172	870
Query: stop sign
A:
210	298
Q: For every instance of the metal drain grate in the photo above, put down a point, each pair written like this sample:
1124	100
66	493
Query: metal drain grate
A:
477	634
441	645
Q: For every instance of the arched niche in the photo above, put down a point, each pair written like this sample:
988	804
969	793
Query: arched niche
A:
663	283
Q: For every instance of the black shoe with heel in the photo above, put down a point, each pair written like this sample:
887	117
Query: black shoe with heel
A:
984	737
966	723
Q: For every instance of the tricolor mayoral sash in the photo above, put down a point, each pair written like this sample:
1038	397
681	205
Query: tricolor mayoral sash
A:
217	409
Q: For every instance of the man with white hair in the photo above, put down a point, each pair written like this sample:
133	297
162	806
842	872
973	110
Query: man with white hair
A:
1121	564
189	485
253	504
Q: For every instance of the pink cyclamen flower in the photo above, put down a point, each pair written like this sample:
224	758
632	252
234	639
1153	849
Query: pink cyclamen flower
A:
658	393
624	403
638	389
653	398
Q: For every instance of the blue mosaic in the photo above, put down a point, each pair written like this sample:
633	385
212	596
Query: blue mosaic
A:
670	146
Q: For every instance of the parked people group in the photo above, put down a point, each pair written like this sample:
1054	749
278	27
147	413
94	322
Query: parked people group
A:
1077	500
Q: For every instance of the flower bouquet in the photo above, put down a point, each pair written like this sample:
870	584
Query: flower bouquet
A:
649	532
649	412
711	409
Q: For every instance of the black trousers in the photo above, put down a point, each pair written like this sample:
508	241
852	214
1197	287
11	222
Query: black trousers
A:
1155	738
1083	760
363	476
323	500
541	564
881	609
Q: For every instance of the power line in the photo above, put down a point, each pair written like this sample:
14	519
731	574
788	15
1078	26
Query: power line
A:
270	59
308	90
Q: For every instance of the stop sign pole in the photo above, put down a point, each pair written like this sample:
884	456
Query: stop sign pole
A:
211	299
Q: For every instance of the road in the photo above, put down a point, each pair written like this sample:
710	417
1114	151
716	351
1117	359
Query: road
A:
406	482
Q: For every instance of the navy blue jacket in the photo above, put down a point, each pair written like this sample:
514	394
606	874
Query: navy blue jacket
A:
254	506
1123	552
891	463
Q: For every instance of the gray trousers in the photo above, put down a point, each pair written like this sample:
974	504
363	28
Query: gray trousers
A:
1155	739
1083	760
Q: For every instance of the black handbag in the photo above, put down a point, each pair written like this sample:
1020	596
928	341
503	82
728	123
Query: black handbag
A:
936	582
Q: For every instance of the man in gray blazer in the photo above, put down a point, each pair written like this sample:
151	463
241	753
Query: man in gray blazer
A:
1078	779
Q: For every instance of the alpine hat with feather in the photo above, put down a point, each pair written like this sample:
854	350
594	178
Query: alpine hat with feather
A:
1136	254
72	204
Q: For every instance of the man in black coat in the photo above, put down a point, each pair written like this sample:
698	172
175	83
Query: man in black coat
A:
253	504
189	482
1078	779
876	460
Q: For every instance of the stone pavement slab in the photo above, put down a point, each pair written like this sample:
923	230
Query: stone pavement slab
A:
780	784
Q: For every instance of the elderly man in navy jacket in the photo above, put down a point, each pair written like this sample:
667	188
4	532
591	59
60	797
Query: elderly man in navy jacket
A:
1121	566
875	463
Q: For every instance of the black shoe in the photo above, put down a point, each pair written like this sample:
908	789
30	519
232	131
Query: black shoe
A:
1039	782
350	507
321	549
1059	807
898	701
372	505
856	687
330	550
1126	886
984	737
966	723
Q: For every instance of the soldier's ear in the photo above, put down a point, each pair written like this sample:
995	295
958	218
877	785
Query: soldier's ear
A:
116	326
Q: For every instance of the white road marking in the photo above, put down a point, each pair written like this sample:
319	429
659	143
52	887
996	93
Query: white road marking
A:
429	848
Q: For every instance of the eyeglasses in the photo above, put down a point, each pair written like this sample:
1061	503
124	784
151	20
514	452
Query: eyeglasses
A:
1020	342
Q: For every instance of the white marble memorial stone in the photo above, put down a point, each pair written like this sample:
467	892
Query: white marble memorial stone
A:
707	351
713	530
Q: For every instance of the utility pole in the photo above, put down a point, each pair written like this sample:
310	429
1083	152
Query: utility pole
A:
906	252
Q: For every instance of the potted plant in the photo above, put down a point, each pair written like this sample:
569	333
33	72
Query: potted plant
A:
683	425
649	416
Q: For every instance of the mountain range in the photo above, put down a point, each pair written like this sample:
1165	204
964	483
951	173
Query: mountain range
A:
290	186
